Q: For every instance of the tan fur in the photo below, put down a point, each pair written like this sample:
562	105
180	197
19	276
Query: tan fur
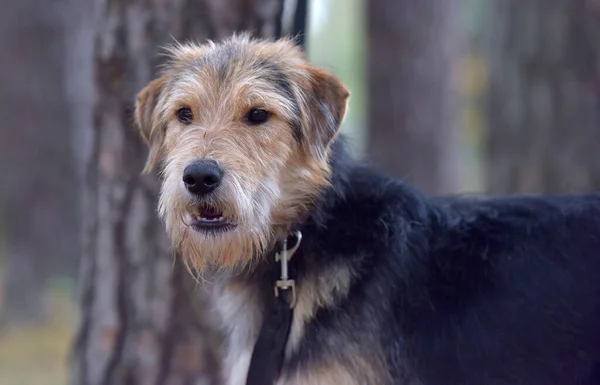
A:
356	372
239	308
316	292
270	175
270	179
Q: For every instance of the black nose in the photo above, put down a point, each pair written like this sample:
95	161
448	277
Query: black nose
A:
202	177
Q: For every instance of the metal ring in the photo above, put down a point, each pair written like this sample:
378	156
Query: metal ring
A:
292	250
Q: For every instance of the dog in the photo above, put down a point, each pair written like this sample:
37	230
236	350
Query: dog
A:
326	271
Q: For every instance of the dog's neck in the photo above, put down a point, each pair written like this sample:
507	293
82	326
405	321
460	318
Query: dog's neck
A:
316	213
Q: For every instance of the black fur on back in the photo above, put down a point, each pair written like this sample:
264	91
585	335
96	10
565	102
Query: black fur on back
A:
455	290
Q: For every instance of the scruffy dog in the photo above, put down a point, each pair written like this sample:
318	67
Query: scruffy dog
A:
328	272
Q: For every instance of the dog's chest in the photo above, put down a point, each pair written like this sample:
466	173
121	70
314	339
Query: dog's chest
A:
240	310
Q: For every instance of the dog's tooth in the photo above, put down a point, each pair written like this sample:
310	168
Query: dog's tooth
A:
211	219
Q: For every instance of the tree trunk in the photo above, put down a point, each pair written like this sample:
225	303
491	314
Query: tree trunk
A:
415	48
142	320
542	103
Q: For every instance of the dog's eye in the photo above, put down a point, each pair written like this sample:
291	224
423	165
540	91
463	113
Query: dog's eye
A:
185	115
257	116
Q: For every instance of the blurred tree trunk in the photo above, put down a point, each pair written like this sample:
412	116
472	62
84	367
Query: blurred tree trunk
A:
415	48
37	175
543	97
142	320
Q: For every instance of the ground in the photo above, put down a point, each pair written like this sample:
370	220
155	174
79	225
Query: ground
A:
38	354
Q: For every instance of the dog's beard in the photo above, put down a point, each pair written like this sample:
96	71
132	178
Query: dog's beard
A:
231	249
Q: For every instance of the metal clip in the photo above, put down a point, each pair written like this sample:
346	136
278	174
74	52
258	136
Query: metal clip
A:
284	257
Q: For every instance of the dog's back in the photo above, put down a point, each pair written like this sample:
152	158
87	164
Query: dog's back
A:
509	293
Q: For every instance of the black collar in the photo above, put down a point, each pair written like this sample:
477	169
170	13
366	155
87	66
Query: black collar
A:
269	350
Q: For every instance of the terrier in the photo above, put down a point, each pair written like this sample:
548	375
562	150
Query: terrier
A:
329	272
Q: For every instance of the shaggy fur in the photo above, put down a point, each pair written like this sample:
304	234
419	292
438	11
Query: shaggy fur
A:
393	287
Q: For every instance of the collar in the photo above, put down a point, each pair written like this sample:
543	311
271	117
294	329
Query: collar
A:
269	350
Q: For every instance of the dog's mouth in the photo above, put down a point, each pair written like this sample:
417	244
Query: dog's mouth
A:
211	219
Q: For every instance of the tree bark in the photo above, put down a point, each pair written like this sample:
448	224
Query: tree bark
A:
142	318
542	103
415	49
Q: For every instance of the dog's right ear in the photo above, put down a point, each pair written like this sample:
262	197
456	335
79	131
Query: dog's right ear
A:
150	128
327	101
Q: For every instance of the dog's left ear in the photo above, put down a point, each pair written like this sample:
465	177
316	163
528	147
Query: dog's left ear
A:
145	118
327	100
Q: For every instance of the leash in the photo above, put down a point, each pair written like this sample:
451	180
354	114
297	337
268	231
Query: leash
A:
268	353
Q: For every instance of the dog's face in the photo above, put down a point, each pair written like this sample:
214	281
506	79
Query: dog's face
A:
242	132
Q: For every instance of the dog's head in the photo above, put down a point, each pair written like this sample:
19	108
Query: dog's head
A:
242	133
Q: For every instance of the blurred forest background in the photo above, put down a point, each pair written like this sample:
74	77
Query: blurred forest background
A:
492	96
